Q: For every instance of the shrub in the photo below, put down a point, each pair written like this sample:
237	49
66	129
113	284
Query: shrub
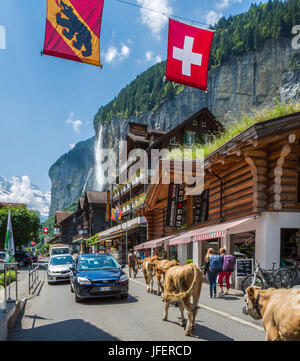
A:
12	277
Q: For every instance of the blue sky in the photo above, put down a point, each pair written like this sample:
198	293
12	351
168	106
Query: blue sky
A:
48	104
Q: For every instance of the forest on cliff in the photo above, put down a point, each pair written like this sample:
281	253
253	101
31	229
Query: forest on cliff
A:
233	37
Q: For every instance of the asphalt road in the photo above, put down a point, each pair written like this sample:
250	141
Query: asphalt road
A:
53	315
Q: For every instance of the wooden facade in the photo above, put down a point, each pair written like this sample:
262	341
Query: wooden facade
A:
255	172
89	219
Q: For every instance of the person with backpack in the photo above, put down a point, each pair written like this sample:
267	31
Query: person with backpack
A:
214	265
228	268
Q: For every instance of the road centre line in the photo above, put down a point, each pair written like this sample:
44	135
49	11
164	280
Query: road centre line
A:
221	313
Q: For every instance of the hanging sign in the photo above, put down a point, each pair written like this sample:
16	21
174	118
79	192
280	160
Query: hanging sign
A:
188	54
73	30
108	207
175	205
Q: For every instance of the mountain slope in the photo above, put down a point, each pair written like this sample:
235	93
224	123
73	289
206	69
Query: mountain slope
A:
233	38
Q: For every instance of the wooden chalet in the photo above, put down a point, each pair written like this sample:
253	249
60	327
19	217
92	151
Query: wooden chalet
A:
129	190
64	227
250	199
76	227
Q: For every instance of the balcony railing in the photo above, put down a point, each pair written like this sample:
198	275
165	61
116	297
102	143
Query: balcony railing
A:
132	181
78	237
133	203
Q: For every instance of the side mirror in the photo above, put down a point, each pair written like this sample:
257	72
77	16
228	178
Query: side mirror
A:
123	266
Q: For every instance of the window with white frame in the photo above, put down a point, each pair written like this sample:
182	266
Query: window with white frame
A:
190	137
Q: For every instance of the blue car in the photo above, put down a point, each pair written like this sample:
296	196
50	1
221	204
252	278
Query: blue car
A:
98	275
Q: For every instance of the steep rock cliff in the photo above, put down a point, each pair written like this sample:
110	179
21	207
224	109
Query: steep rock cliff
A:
253	80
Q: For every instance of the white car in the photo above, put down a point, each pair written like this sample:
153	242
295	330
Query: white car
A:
3	259
59	268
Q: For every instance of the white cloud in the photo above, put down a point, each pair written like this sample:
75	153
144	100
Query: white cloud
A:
125	51
113	55
76	124
21	190
223	4
212	17
72	146
155	21
158	59
149	55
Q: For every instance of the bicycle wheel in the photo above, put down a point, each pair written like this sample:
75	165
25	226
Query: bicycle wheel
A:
279	281
284	280
248	281
293	277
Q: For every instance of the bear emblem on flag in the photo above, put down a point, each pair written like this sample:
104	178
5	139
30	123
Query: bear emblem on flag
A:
73	30
75	26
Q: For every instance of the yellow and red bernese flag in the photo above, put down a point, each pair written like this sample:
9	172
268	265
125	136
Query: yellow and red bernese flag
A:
73	30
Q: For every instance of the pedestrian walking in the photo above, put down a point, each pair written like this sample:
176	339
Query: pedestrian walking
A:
228	268
213	265
132	263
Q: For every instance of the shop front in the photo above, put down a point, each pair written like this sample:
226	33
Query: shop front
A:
154	247
290	246
120	239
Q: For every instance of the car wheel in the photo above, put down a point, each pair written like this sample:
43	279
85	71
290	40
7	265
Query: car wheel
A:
49	283
77	299
124	297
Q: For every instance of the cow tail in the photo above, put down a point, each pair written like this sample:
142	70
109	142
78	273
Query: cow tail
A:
178	296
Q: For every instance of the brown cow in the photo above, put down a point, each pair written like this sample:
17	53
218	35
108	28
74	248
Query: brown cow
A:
278	309
161	268
148	270
182	283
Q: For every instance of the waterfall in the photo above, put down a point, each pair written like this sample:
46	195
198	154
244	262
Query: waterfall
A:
99	174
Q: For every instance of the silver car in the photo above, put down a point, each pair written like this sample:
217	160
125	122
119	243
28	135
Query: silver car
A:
59	268
3	259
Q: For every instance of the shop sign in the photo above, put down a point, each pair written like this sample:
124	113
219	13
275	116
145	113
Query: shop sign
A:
244	267
108	210
175	205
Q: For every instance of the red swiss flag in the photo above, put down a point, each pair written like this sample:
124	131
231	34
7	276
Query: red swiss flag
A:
46	230
188	54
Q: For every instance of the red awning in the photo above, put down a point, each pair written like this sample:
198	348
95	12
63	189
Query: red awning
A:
152	244
182	238
218	230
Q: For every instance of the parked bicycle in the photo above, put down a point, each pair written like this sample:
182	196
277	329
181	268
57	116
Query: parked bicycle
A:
264	279
290	274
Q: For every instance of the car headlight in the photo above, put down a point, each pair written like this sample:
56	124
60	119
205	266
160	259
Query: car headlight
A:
83	281
123	278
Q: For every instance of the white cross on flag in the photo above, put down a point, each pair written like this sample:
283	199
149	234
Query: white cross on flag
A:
188	54
46	230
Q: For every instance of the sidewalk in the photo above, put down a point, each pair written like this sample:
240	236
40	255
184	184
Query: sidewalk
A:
8	318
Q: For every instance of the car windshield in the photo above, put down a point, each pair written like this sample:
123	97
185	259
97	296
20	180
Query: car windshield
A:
97	263
61	260
59	251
